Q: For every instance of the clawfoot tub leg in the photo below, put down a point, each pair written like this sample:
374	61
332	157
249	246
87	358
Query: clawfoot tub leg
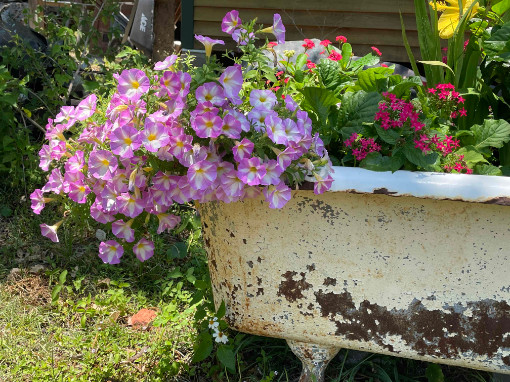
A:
315	359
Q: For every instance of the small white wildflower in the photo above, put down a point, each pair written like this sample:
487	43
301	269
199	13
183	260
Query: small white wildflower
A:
101	235
213	323
275	372
220	337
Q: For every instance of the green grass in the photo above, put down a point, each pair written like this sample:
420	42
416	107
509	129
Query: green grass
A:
70	321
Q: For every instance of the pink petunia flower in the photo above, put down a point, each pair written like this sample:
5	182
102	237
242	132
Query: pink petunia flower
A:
277	196
110	252
78	192
262	99
275	130
231	127
167	222
124	141
144	249
251	171
230	22
98	214
86	108
55	182
277	29
133	83
102	164
76	162
50	231
201	175
45	157
273	172
207	125
123	230
38	201
166	63
210	92
208	43
242	149
232	81
130	205
154	135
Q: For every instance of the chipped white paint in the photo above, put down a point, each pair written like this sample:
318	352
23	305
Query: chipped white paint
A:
413	277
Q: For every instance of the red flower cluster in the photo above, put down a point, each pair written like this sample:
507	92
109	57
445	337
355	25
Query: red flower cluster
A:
309	44
458	164
361	146
335	56
376	51
449	102
325	42
395	112
342	39
444	146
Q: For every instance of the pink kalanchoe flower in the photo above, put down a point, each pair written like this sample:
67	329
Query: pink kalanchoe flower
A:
38	201
144	249
325	42
341	39
102	164
273	172
251	171
78	192
208	43
167	222
98	214
231	127
86	108
230	22
123	230
309	44
262	99
210	92
130	205
55	182
133	83
50	231
124	141
278	29
277	196
166	63
154	136
335	56
110	252
242	149
207	125
76	162
232	81
201	175
376	51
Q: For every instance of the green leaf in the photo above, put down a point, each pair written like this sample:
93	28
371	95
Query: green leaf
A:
357	108
346	54
202	347
226	356
402	89
251	74
505	170
368	79
437	63
390	136
301	61
434	373
62	277
220	313
376	162
319	101
416	157
487	169
329	73
178	250
299	76
368	60
55	293
471	155
501	7
493	133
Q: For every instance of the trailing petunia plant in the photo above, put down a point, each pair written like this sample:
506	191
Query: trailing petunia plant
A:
178	134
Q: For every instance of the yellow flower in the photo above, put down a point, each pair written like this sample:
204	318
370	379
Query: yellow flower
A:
451	15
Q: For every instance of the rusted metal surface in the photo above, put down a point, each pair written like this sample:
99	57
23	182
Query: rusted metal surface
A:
315	359
428	185
418	278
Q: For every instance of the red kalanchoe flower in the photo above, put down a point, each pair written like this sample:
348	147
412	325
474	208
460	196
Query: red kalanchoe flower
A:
272	44
376	51
342	39
310	65
463	112
309	44
335	56
325	42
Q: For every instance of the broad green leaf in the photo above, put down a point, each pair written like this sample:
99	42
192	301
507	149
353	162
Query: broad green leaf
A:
329	73
226	356
471	155
368	79
346	54
376	162
416	157
368	60
62	277
203	347
251	74
493	133
402	89
319	101
390	136
501	7
301	61
498	41
299	76
357	108
221	310
434	373
178	250
487	169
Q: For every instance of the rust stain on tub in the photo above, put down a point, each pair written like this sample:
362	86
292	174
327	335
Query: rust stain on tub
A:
291	289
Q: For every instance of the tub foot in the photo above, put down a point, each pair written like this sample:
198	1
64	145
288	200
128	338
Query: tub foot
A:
315	359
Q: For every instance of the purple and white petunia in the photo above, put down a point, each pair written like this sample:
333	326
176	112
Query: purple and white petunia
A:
210	92
133	83
86	108
166	63
102	164
201	175
251	171
144	249
242	149
124	141
277	196
208	43
230	22
207	125
167	222
154	136
50	231
262	99
110	252
123	230
232	81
